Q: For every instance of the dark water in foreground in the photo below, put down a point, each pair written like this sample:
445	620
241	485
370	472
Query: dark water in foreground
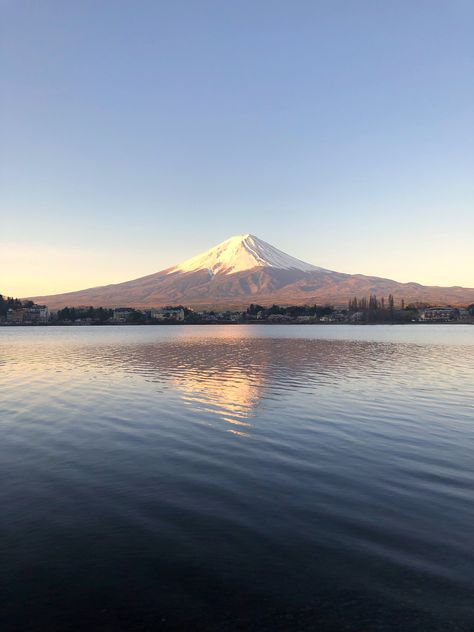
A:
237	478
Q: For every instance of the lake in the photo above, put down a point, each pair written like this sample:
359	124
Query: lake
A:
237	478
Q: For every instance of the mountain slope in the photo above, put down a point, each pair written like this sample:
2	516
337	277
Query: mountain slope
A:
245	269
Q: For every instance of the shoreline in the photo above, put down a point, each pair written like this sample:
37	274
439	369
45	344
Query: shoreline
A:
220	323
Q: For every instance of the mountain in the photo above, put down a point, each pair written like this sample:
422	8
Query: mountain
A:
240	254
245	269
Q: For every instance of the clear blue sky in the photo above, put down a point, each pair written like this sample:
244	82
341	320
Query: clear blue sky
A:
138	133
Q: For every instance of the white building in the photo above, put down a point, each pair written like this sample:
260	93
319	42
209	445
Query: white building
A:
29	315
167	314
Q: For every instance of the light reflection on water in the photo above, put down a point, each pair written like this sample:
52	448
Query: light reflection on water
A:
226	467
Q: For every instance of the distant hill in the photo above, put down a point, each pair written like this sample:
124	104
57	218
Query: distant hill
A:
244	269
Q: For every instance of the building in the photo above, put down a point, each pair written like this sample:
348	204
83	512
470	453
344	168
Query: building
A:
121	314
166	313
440	314
15	316
36	314
33	315
330	318
278	318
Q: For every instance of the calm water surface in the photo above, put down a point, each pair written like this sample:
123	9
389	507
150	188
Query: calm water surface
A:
237	477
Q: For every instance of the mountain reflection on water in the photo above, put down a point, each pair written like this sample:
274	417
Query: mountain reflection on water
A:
228	375
237	474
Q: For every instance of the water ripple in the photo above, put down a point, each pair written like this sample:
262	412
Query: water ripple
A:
289	464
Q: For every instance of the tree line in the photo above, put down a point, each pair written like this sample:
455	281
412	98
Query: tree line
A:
294	311
97	314
383	309
8	302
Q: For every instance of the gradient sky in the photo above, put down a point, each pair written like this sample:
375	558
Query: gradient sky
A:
135	134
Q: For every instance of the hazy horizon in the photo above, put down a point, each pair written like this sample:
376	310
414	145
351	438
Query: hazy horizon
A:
135	137
179	264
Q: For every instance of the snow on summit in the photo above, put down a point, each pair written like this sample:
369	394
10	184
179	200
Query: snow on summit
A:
239	253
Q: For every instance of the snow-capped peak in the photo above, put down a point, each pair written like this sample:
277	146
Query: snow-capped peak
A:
242	252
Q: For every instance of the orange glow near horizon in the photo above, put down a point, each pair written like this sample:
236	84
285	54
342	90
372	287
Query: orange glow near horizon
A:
39	271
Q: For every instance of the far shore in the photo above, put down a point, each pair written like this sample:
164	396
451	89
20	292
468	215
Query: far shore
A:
233	323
